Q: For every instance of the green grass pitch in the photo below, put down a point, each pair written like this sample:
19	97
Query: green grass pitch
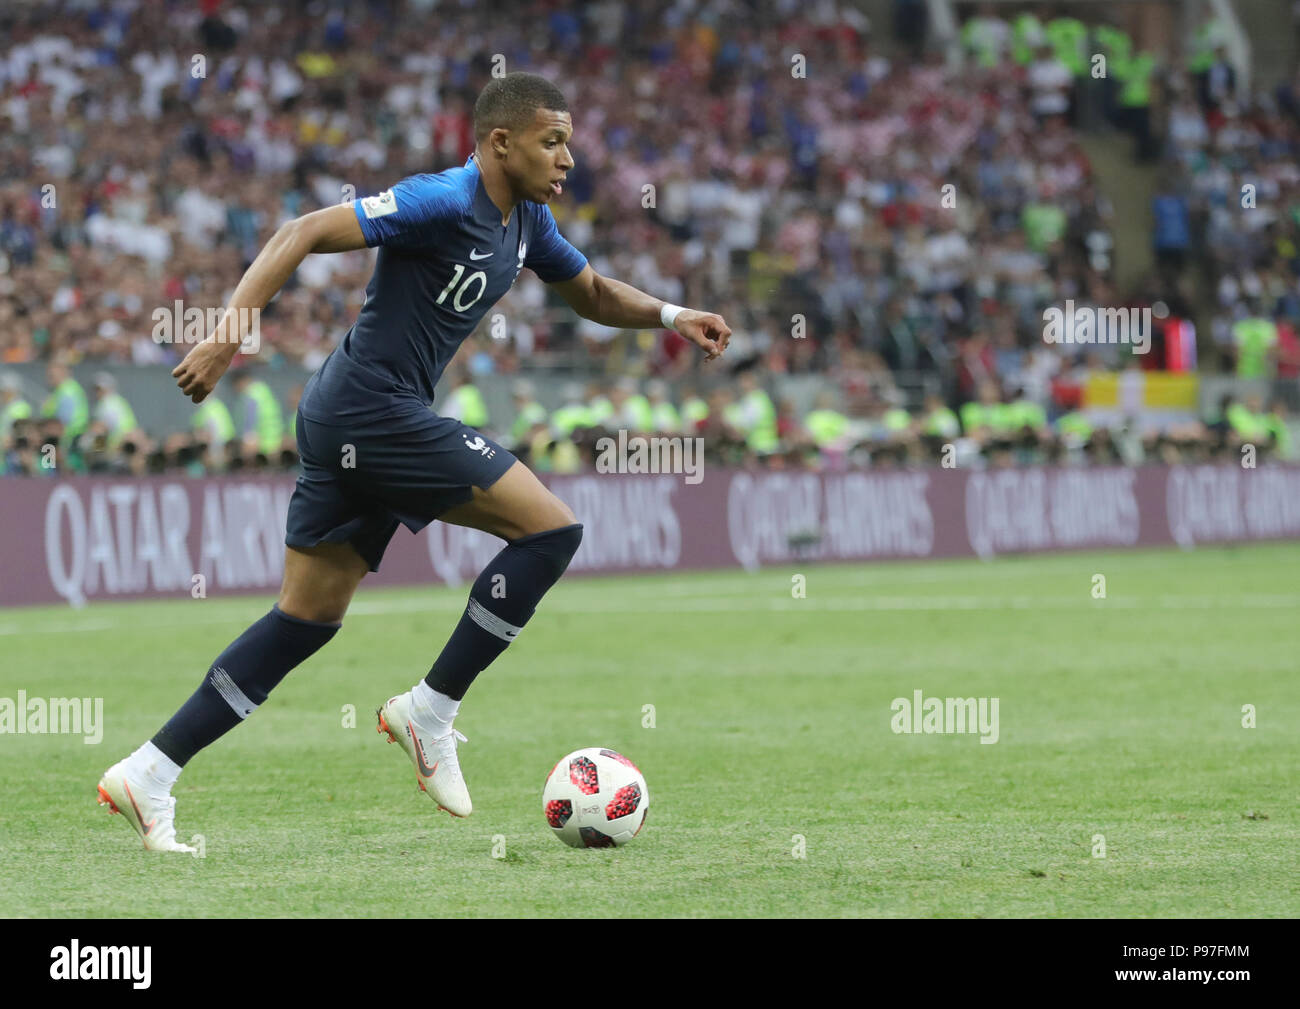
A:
1120	717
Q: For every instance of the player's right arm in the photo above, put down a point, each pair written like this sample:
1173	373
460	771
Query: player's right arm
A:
333	229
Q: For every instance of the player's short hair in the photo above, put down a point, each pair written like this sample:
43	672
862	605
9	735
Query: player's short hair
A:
511	102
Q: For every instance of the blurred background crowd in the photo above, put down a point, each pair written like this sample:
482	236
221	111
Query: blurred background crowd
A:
883	223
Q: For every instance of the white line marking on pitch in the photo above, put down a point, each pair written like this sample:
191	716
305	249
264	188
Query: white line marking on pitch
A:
712	604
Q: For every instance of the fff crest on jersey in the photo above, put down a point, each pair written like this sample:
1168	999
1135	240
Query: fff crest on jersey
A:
379	206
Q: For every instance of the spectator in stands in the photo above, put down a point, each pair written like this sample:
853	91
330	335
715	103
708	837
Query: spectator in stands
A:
1172	237
66	401
1254	339
260	424
113	416
13	407
1217	83
664	416
529	414
463	399
1051	84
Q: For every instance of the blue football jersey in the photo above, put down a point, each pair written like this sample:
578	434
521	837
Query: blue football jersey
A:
444	260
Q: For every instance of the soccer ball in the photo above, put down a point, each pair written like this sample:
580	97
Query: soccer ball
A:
595	798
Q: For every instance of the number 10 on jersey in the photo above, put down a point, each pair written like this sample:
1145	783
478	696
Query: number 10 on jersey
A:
477	275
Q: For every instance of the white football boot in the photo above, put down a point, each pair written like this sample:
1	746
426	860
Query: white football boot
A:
147	806
437	768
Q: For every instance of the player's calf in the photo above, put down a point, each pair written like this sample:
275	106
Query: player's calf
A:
501	601
140	785
239	681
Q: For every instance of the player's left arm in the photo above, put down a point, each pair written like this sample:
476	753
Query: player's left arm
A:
613	303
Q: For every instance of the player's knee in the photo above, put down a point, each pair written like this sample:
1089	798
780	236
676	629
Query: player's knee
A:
324	601
319	582
567	540
320	611
545	514
556	546
565	516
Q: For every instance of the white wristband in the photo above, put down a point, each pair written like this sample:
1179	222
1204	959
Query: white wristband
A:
668	315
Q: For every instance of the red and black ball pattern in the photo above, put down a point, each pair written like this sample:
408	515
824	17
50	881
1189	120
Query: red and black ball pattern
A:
625	801
582	772
558	812
613	755
593	838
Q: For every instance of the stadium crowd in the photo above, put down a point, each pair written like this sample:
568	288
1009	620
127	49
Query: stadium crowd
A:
1229	219
871	221
850	425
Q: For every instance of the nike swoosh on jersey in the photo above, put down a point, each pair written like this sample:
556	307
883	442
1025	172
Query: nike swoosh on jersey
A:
486	255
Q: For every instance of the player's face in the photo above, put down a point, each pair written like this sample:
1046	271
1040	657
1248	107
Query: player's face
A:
544	158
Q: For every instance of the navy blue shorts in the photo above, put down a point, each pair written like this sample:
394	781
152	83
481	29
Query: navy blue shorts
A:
359	482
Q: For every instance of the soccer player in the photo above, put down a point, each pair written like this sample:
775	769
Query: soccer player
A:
375	453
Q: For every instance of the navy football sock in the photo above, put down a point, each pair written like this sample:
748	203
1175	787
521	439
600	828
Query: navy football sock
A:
504	596
239	680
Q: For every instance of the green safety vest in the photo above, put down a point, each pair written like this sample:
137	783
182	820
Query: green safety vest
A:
694	410
1135	77
897	419
1069	38
571	416
1075	423
638	407
826	426
942	423
1281	432
466	403
270	426
1250	425
599	410
1026	413
759	421
1043	224
558	456
1117	45
71	389
994	416
1253	338
19	409
213	415
1026	35
115	413
977	39
533	413
565	457
664	417
1208	37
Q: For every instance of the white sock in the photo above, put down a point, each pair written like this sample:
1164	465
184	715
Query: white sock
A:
157	765
432	708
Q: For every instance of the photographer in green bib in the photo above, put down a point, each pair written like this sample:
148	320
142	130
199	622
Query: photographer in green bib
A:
113	414
66	401
258	421
12	405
